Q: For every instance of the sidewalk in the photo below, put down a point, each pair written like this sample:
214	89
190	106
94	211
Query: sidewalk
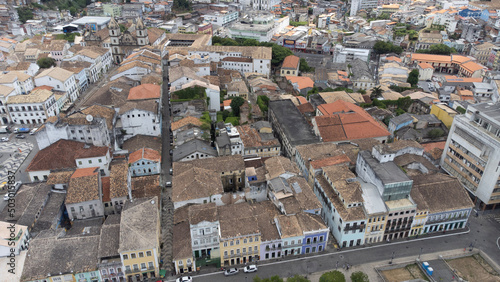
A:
369	268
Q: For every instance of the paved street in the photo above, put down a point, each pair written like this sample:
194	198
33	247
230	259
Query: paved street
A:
166	164
483	235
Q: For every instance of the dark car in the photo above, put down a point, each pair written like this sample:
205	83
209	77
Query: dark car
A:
20	136
171	151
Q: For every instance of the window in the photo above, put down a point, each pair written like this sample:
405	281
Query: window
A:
231	243
148	253
132	255
100	160
250	239
237	242
150	265
143	266
141	254
80	162
256	238
125	257
136	267
127	268
225	244
244	241
90	161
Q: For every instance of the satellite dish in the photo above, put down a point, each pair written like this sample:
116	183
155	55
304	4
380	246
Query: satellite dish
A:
89	118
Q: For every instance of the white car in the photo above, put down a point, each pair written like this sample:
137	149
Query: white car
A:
231	271
32	132
250	268
184	279
4	139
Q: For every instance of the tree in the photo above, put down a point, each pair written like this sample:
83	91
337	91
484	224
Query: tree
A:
304	66
297	278
376	92
72	11
413	77
362	91
181	5
263	102
359	276
438	49
435	133
236	103
46	63
332	276
274	278
279	54
24	13
461	110
382	47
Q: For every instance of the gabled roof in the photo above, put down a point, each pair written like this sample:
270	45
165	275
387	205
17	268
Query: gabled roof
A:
145	91
302	81
144	154
56	73
137	231
118	179
50	158
291	62
189	120
83	185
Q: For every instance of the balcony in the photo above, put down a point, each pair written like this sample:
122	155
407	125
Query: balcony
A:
447	219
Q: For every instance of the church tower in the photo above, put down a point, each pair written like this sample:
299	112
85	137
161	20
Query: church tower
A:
115	34
141	33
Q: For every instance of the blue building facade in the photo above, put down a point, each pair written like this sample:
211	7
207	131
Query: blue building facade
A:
470	13
314	241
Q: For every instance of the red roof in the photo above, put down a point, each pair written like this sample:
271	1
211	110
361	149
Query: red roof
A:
335	160
302	81
105	189
291	62
144	91
346	121
82	172
144	153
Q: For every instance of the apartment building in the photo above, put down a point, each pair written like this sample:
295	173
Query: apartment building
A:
34	108
472	151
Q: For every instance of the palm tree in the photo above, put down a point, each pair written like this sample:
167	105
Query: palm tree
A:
376	92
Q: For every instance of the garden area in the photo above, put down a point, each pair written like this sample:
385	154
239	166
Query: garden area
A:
409	272
474	268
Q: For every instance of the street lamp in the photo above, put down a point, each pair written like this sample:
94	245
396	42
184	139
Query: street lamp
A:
420	253
337	265
392	258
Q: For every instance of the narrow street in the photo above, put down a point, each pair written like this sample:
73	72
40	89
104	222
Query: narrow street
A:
167	210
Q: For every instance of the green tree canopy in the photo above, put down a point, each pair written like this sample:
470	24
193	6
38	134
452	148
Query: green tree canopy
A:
382	47
332	276
274	278
297	278
181	5
263	102
45	63
304	66
438	49
435	133
24	13
413	77
359	276
236	103
376	92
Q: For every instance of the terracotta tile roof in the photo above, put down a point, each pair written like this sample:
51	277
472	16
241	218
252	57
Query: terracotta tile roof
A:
50	158
204	212
237	220
186	121
154	33
60	177
393	58
252	139
347	121
194	183
132	65
291	62
142	141
56	73
425	66
306	108
182	238
146	186
99	111
302	81
439	192
106	182
220	164
83	186
331	97
335	160
119	177
276	166
144	153
472	66
36	96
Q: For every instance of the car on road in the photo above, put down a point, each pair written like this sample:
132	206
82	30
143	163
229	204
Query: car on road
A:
168	184
32	132
5	139
231	271
171	152
250	268
20	136
171	171
184	279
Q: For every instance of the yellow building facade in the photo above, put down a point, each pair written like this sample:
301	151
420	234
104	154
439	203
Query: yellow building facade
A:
418	222
141	263
240	250
444	113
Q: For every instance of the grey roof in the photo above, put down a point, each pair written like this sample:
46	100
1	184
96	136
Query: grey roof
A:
373	202
223	140
260	124
293	123
50	255
50	214
431	118
29	201
489	110
139	225
193	146
110	237
360	68
401	119
85	227
387	172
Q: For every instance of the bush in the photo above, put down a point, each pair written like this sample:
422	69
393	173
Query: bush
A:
292	23
359	276
45	63
332	276
304	67
435	133
236	103
263	102
233	120
192	93
461	110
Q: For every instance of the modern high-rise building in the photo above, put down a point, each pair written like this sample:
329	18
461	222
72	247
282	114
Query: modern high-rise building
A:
472	153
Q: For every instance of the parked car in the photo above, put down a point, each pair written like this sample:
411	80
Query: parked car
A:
168	184
20	136
250	268
184	279
171	171
171	152
231	271
5	139
32	132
